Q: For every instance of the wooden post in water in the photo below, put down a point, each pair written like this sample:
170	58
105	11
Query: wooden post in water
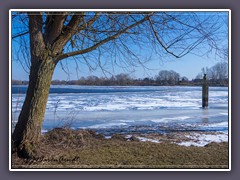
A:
205	92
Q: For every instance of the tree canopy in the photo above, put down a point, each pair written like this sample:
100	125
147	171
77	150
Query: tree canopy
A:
108	39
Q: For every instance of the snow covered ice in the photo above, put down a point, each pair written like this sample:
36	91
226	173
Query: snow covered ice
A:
121	109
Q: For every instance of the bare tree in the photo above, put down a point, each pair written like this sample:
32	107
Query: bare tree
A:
119	37
165	77
217	72
123	79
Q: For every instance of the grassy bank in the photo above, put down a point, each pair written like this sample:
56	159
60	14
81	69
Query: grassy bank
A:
65	148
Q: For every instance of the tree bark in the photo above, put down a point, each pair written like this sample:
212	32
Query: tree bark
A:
28	129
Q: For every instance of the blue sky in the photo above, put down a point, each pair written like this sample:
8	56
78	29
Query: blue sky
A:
189	66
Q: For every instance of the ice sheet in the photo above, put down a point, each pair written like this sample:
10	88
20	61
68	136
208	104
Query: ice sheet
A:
115	107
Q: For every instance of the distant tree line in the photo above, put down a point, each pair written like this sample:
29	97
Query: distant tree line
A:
217	76
18	82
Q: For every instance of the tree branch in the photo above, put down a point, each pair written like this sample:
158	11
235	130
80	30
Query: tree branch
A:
90	22
20	34
54	25
72	28
60	57
36	36
159	40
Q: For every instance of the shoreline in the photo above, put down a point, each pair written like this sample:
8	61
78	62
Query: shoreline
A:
198	138
66	148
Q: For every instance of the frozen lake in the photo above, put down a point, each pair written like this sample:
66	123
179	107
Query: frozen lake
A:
125	109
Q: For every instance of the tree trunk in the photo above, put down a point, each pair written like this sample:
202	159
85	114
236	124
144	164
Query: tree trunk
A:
28	129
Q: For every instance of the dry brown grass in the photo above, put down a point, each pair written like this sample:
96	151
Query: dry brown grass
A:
65	148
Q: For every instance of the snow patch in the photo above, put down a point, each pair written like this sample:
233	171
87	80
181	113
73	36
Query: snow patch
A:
201	140
143	139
